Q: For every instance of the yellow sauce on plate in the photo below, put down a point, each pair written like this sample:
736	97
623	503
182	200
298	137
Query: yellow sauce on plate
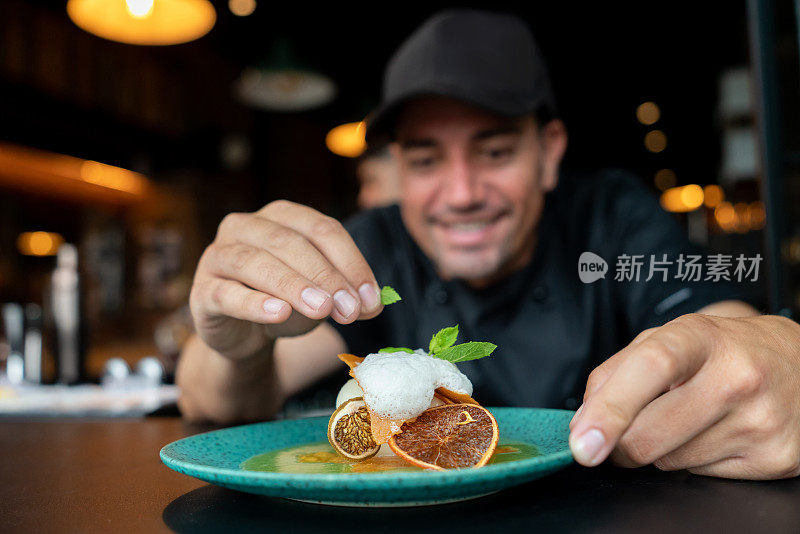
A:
318	458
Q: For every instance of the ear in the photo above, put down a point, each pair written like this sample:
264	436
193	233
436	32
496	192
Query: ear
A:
553	136
394	150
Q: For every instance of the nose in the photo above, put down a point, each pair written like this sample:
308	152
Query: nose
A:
461	189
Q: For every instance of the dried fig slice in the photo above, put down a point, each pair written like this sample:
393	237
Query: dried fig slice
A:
349	431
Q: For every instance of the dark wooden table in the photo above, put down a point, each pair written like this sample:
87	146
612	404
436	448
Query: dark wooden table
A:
105	476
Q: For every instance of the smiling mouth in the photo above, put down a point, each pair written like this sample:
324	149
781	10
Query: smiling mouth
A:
469	226
469	233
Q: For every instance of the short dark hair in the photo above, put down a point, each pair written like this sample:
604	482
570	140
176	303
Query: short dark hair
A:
543	115
378	150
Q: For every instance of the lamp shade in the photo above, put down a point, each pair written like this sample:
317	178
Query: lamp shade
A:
284	83
144	22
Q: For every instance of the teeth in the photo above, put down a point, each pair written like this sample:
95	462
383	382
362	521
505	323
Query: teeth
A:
469	227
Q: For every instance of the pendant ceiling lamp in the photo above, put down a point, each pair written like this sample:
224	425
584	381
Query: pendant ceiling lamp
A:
283	83
347	139
144	22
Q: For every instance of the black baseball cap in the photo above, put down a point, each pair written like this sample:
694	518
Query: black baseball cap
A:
483	58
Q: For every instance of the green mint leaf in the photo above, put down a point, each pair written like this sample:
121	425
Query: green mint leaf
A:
389	296
444	338
465	352
396	349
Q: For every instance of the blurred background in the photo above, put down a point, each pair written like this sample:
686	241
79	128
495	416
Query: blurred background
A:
129	128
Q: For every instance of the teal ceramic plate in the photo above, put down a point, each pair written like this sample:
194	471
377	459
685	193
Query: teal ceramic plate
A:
533	443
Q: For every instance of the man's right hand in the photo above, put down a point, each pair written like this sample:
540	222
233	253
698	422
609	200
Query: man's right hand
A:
276	273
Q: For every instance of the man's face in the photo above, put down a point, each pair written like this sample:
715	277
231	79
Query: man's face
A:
473	185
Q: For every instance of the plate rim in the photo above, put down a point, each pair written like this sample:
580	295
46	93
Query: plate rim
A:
559	459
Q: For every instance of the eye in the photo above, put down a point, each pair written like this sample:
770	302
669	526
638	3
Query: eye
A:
497	154
421	162
500	152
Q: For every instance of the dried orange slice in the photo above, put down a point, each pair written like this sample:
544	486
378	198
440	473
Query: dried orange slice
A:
442	399
456	398
351	360
448	437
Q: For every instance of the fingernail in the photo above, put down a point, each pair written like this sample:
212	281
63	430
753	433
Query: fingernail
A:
586	447
313	297
345	303
273	306
370	297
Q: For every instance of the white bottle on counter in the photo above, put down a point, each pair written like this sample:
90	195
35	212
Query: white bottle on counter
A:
33	343
66	315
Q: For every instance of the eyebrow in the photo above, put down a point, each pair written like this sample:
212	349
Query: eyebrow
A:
480	136
417	143
502	130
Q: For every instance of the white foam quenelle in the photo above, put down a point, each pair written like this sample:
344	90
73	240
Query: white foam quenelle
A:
400	385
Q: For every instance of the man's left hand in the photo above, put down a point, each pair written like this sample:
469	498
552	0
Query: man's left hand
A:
715	395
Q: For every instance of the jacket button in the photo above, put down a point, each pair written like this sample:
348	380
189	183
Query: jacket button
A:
441	296
540	293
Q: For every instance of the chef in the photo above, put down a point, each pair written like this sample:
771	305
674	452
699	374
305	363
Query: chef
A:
581	280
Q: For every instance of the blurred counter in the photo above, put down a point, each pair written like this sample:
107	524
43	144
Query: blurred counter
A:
78	475
87	400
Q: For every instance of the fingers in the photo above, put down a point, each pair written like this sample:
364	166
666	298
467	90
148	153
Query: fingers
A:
726	468
603	371
692	424
263	272
233	299
744	468
678	428
712	445
755	429
336	245
666	358
297	252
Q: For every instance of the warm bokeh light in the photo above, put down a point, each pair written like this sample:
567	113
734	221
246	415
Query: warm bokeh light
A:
758	215
242	8
741	214
714	195
665	178
57	175
682	199
740	217
648	113
347	139
112	177
39	243
692	196
655	141
725	216
144	22
139	8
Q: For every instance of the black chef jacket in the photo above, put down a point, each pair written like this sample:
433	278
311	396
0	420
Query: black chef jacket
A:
551	328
